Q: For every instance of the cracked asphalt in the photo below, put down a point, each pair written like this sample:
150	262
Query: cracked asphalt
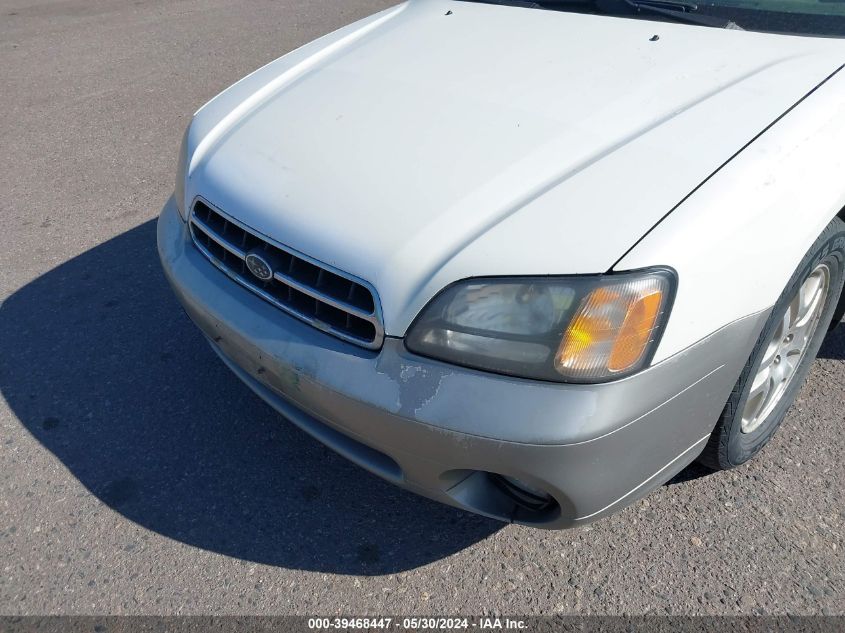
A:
140	477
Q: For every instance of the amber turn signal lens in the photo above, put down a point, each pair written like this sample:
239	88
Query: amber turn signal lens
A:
613	329
635	334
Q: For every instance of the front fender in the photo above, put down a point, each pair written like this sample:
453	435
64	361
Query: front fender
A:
738	238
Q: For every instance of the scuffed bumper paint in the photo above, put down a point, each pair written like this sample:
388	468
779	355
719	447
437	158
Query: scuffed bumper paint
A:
438	430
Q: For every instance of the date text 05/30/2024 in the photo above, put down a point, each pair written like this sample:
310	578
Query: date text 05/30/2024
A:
417	624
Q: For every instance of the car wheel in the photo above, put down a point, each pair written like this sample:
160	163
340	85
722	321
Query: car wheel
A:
782	356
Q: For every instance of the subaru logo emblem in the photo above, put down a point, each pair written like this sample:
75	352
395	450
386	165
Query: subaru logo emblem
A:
259	266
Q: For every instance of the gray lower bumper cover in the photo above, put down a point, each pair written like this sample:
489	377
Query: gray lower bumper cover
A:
435	429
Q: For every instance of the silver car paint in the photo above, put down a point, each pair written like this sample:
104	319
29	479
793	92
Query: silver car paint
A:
432	428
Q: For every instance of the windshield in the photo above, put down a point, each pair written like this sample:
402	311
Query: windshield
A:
824	18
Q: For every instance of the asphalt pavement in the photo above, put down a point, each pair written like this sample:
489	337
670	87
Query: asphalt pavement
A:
137	475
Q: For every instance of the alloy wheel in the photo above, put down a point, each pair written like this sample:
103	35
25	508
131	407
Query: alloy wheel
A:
787	348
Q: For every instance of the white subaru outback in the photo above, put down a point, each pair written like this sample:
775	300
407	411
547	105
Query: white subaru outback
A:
527	258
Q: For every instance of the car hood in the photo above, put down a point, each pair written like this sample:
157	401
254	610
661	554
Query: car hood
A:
420	146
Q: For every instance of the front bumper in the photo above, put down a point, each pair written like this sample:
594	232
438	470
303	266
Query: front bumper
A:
439	430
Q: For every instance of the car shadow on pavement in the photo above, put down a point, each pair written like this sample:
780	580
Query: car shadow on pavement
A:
105	370
833	347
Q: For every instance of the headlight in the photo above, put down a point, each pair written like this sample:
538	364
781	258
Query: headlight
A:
181	174
567	329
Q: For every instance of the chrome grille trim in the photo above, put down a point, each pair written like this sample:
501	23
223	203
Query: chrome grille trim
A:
226	242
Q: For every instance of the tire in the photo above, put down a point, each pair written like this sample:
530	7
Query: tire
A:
839	312
749	422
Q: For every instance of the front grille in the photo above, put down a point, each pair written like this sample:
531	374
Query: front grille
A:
309	290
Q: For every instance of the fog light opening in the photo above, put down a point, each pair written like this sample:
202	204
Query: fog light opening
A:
501	497
522	493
